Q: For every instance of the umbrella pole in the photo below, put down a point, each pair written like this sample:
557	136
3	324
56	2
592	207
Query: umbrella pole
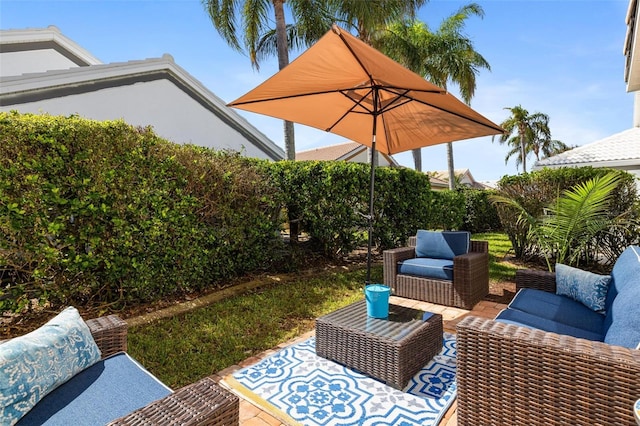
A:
370	217
371	192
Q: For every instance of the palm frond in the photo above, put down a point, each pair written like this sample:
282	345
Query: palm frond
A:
577	216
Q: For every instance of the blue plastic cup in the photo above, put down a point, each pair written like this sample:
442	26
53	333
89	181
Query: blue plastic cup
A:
377	297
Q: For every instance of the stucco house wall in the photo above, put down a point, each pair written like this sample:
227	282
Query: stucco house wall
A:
45	72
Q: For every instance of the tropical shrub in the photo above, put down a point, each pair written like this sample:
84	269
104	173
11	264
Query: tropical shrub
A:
593	219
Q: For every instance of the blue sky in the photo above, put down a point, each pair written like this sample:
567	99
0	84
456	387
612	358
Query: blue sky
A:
563	58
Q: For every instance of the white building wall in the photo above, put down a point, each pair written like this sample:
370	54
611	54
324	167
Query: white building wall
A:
32	61
173	114
636	109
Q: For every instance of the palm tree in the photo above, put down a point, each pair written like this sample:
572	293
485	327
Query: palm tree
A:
546	147
526	133
249	21
443	56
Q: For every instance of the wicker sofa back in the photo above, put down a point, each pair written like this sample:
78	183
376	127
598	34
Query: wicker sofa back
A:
520	374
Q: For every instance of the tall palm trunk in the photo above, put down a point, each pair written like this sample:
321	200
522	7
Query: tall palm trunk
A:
452	173
283	61
523	153
417	159
289	137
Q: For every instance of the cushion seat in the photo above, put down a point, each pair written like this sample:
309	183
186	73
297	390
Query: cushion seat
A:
557	308
426	267
109	389
525	319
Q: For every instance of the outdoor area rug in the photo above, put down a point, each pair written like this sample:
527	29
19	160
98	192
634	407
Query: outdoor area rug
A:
298	387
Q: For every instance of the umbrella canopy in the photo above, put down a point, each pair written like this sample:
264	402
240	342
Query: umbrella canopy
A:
344	86
340	82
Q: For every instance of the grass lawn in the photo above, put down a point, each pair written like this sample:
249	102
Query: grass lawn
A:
185	348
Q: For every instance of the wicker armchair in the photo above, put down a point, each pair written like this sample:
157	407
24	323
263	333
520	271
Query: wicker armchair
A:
200	403
470	277
519	376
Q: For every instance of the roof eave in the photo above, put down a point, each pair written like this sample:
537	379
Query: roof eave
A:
611	163
632	61
21	40
14	90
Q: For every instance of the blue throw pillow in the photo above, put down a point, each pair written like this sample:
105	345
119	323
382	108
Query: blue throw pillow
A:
442	244
33	365
582	286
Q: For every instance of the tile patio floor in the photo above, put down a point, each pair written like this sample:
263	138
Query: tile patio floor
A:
250	415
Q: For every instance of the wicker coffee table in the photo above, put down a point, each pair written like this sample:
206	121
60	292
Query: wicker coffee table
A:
391	350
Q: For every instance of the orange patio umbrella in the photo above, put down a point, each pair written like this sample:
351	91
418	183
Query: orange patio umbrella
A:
344	86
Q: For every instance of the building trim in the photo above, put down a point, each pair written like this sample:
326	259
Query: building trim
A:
54	84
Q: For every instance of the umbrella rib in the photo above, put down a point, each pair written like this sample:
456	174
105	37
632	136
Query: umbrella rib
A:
350	110
295	95
499	129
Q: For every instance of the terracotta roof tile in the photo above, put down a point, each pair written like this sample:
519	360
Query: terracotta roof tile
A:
332	152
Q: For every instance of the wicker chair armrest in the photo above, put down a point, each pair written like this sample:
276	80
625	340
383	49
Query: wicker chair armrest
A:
399	254
470	259
110	334
390	259
539	280
515	375
471	277
479	246
201	403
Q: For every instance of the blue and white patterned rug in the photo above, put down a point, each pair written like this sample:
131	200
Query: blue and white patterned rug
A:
306	389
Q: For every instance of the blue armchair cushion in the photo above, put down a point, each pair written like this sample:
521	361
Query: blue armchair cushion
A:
36	363
583	286
441	269
557	308
442	244
108	390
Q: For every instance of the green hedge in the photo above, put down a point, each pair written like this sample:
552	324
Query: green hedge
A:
329	199
480	215
101	212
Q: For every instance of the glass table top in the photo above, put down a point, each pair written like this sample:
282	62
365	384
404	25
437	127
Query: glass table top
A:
401	322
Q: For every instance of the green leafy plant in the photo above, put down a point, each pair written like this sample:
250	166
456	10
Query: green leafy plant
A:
535	192
568	229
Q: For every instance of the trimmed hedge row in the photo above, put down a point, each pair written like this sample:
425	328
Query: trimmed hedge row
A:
331	199
101	212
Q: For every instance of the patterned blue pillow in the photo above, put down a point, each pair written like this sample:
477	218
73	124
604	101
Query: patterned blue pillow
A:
582	286
33	365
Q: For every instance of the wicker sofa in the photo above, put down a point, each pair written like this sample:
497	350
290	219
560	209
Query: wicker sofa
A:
200	403
468	285
521	375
